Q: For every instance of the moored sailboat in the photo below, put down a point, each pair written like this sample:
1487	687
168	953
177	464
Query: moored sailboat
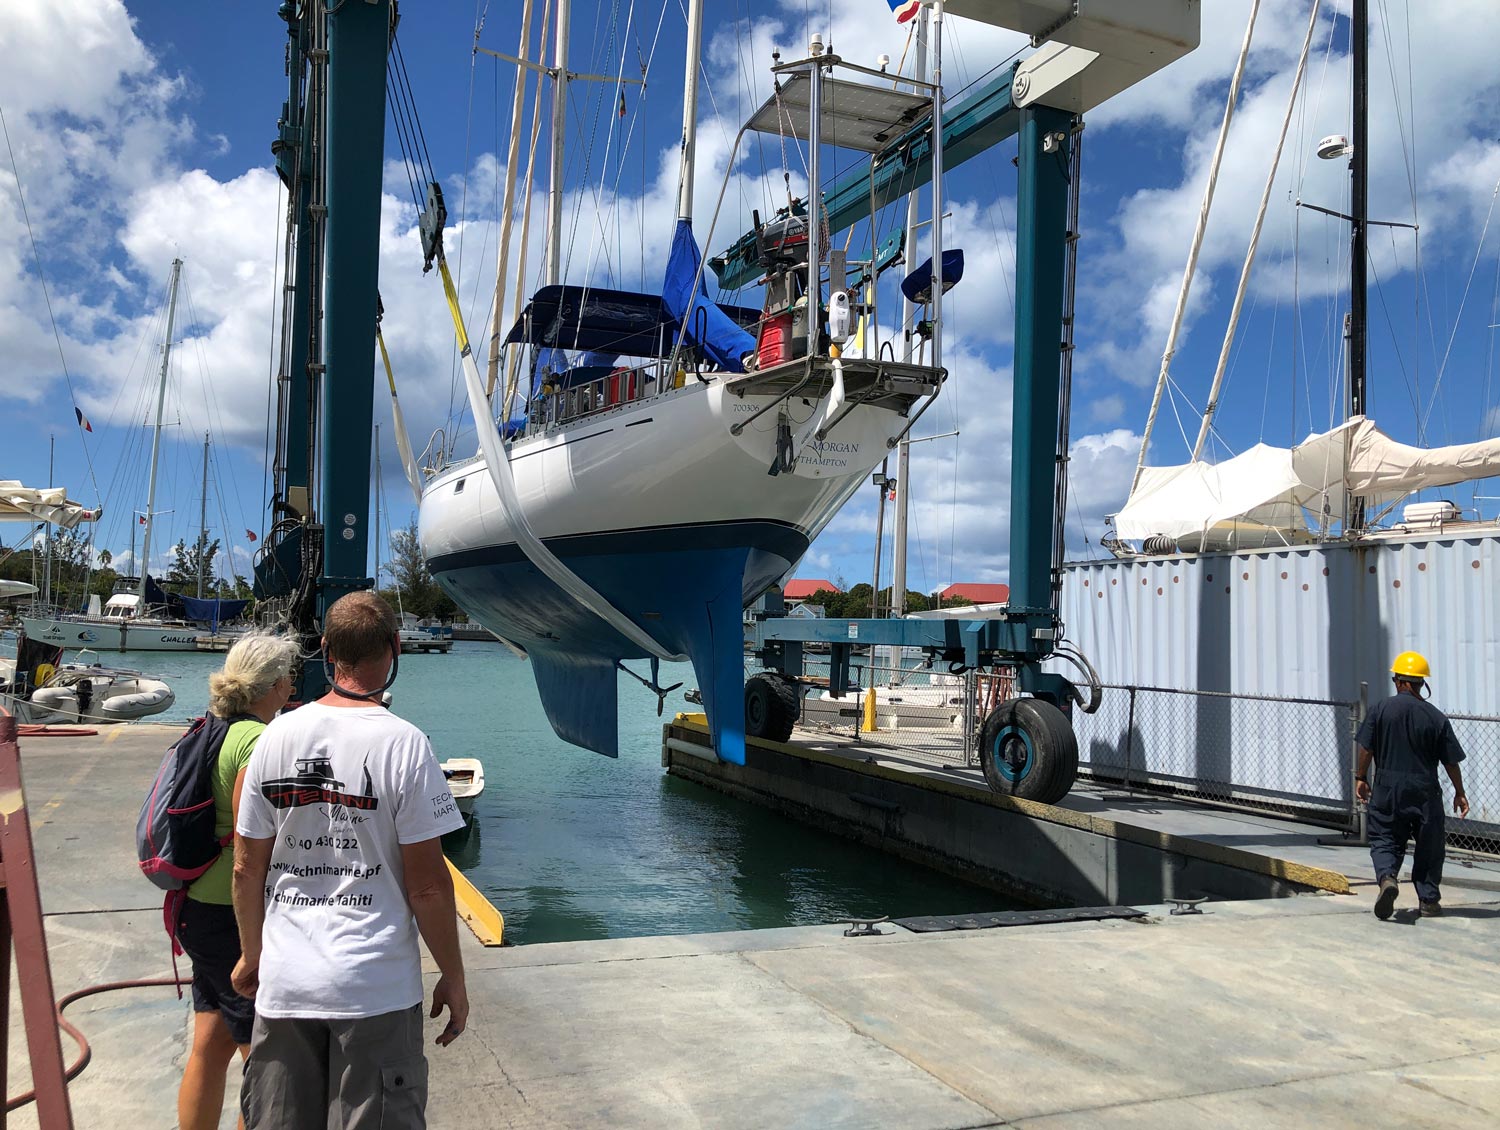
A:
147	619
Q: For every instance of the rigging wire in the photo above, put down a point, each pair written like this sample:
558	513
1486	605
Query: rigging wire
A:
481	15
1463	300
47	298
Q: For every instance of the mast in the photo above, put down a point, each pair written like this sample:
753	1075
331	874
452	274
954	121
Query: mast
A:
161	400
909	320
559	123
937	185
880	483
47	571
1359	204
1359	170
203	519
518	106
690	110
815	247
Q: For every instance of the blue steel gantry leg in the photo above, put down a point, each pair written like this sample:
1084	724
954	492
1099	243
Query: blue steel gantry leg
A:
359	38
1041	246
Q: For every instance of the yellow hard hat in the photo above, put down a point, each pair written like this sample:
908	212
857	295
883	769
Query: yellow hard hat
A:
1412	665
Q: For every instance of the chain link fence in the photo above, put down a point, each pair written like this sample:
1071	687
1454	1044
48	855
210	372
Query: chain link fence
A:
1290	756
1479	734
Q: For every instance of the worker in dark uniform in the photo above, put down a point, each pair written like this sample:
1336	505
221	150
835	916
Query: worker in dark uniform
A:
1407	738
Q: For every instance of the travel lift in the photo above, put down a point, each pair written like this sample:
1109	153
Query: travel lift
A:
1088	50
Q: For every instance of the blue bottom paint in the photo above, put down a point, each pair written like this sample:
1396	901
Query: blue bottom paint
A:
686	586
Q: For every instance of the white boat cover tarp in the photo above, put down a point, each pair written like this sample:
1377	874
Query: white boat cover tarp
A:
1271	487
45	504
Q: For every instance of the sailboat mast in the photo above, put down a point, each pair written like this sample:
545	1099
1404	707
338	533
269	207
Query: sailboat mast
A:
815	248
1359	204
559	123
507	206
161	400
690	110
937	185
47	574
203	519
909	320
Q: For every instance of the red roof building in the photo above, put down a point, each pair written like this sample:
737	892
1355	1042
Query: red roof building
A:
801	590
979	594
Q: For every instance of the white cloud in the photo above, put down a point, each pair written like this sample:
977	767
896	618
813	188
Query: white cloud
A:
103	135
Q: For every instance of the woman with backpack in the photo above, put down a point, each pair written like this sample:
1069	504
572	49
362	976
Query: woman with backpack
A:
254	683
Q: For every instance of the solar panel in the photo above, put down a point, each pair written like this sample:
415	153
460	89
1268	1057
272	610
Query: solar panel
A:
855	115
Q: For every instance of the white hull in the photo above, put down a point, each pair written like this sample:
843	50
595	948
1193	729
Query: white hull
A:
100	634
666	462
107	696
465	781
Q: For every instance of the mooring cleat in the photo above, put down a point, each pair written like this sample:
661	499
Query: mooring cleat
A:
866	927
1187	906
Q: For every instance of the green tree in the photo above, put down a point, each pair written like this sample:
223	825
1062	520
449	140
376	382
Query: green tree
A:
184	571
418	593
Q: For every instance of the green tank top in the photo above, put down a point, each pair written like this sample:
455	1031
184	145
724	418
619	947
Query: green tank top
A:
214	885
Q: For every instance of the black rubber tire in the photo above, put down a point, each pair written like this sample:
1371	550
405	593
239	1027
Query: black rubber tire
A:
773	703
1028	750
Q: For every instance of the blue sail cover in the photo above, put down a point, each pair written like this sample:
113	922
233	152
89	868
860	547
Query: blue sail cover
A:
210	612
704	324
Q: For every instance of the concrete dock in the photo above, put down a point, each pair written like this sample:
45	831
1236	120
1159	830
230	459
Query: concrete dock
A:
1276	1012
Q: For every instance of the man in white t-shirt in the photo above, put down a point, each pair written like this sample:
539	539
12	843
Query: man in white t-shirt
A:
337	869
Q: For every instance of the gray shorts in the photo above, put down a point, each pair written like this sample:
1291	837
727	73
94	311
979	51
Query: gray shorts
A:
363	1074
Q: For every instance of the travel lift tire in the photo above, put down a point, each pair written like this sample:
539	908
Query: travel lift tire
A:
773	703
1028	750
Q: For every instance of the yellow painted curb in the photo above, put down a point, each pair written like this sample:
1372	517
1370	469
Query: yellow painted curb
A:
1300	873
487	922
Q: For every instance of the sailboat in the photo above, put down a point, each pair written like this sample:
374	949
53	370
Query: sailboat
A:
147	619
675	457
1297	553
35	685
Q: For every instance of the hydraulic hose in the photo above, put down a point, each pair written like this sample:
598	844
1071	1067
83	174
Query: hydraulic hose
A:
85	1052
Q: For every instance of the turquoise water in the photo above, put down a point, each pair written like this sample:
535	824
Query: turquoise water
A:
570	845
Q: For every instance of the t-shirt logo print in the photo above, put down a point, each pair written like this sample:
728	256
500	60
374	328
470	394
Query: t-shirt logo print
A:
315	784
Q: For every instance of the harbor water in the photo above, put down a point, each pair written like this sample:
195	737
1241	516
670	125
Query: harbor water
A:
571	846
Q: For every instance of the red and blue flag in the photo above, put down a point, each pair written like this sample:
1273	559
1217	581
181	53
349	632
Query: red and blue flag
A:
904	10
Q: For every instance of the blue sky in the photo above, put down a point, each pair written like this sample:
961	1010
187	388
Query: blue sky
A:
142	130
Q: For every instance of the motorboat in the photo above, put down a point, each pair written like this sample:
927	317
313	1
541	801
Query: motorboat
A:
465	776
81	692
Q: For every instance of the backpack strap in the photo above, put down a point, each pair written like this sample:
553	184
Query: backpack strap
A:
171	913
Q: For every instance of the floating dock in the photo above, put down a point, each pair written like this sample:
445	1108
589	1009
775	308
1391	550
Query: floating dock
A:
1265	1012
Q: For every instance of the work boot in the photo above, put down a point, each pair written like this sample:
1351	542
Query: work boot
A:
1385	902
1432	910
